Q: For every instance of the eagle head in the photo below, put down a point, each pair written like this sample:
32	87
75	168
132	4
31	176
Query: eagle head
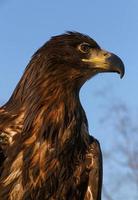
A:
77	57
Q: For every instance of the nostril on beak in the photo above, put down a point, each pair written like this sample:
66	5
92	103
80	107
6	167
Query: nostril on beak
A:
105	54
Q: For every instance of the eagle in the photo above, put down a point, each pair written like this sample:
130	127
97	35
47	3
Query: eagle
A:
46	151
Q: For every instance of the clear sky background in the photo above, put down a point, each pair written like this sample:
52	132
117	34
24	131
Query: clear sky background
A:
25	25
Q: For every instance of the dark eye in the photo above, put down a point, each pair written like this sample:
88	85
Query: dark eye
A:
85	47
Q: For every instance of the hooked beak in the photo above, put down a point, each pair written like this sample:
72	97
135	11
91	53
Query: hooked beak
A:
103	61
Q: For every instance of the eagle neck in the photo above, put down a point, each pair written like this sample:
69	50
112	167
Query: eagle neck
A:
64	117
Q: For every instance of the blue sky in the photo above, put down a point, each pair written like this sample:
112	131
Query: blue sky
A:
26	25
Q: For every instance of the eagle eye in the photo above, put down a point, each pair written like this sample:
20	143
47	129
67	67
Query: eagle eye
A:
85	47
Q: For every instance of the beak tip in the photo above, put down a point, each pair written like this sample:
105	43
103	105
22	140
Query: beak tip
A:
122	75
122	71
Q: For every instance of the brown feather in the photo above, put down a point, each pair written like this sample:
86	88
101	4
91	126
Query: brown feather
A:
50	154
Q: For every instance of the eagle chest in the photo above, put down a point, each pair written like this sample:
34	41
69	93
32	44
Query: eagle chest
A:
74	180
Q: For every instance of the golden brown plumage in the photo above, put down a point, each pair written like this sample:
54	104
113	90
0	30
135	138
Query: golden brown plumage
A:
49	152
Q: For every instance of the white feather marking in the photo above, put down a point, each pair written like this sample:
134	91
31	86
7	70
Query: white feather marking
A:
90	196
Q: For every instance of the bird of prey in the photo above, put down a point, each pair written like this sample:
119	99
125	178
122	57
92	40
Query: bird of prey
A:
46	151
